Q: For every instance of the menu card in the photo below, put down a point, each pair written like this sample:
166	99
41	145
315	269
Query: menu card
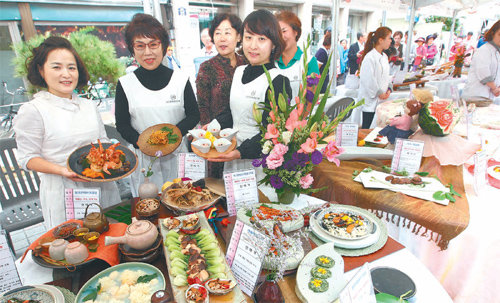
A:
407	155
191	166
359	288
480	167
77	199
241	189
347	134
245	254
9	279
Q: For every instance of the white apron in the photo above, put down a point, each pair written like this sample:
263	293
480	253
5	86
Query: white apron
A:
242	99
485	64
294	74
68	125
148	108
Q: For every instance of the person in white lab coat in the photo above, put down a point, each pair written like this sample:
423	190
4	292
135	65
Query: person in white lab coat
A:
55	123
375	81
484	74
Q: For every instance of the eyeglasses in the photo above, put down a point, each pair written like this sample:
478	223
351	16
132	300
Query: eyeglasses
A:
140	46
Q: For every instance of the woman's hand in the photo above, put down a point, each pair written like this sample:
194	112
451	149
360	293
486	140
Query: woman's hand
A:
71	175
385	95
233	155
496	91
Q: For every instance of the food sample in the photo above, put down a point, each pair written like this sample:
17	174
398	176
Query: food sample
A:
220	286
344	224
147	205
321	272
171	223
65	231
16	300
100	160
196	294
184	194
416	180
318	285
163	136
221	145
191	222
214	127
324	261
265	212
203	145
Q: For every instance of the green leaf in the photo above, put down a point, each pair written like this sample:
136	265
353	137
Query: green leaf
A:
367	170
248	213
422	173
386	169
439	195
453	192
450	197
93	294
167	129
146	278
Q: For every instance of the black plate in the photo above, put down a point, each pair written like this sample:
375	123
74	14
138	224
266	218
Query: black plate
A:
392	281
74	163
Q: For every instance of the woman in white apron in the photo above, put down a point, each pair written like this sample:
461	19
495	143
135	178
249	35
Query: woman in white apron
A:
484	75
55	123
151	95
375	81
291	62
250	87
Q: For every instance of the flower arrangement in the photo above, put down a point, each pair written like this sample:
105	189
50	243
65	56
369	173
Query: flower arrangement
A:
149	172
292	134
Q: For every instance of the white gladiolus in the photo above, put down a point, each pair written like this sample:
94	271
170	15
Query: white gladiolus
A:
268	145
286	136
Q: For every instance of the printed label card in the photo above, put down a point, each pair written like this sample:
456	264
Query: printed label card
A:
241	189
9	279
347	134
407	156
359	288
77	199
480	167
191	166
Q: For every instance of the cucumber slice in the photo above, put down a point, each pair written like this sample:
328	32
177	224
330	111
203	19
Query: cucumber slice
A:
180	281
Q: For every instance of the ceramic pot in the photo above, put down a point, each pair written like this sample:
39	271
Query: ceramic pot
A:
140	235
76	253
57	248
96	221
148	189
286	197
269	292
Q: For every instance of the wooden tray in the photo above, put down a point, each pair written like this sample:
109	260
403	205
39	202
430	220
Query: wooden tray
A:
478	101
151	150
212	153
418	83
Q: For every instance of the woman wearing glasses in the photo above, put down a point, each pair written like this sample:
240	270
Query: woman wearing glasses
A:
151	95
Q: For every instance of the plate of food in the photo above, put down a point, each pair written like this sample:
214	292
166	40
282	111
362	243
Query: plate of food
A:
375	138
212	146
283	246
344	224
33	294
184	196
289	218
102	162
162	137
127	282
320	275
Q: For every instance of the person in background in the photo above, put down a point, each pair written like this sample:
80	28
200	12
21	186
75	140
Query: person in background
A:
213	83
208	49
262	46
322	57
457	47
374	75
398	36
480	41
469	48
355	53
431	51
172	62
343	52
151	95
55	123
420	53
291	62
484	74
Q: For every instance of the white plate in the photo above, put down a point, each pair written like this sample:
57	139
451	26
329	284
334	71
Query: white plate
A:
493	173
287	226
339	209
43	293
356	152
373	134
335	282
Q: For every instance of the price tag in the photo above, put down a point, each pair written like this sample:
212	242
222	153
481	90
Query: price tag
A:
480	167
407	155
77	199
399	77
241	189
9	279
360	288
191	166
347	134
248	249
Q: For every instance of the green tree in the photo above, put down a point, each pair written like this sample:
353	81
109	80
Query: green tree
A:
447	22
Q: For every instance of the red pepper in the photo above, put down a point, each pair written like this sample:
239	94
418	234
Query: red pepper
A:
198	189
225	222
194	280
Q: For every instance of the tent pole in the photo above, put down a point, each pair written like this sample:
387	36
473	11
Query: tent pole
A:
335	43
450	41
410	35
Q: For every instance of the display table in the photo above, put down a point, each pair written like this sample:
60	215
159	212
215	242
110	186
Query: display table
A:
444	86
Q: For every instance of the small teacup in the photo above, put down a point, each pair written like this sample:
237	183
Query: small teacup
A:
221	145
228	133
203	145
214	127
197	133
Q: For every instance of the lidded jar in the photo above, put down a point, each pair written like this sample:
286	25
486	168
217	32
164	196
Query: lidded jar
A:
76	253
140	235
57	248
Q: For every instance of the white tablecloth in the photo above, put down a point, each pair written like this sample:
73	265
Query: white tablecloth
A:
444	86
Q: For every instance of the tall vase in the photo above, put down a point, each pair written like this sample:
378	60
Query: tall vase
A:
147	189
286	197
269	292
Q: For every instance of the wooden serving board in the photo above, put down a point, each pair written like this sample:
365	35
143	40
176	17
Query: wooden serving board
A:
418	83
166	149
212	153
235	296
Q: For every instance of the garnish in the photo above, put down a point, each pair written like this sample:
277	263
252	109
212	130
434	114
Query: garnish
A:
93	293
146	278
422	173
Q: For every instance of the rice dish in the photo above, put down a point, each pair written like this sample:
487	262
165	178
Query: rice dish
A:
344	225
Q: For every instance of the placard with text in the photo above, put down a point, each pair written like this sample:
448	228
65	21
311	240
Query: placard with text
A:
9	279
346	134
241	189
191	166
77	199
245	254
359	288
407	156
480	167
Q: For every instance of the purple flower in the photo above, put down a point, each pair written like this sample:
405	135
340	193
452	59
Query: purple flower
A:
256	162
264	163
316	157
312	81
309	96
290	165
276	182
300	158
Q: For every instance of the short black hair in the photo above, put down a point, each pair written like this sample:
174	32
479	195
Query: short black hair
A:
232	18
470	33
359	35
39	56
263	22
144	25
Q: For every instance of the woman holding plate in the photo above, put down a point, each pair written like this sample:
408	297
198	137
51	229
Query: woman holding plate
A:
262	44
55	123
151	95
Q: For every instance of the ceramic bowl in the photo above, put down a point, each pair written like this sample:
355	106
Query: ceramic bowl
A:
195	289
221	145
65	231
211	286
197	133
228	133
76	253
79	233
147	207
45	243
214	127
203	145
57	248
92	237
172	224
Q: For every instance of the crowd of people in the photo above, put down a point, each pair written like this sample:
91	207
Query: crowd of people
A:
228	84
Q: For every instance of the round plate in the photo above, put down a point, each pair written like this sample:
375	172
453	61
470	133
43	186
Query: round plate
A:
335	282
74	165
42	293
212	153
74	226
166	149
43	263
392	281
369	224
185	209
92	283
287	226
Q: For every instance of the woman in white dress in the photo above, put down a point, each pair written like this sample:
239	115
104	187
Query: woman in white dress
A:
262	44
151	95
374	79
55	123
484	74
